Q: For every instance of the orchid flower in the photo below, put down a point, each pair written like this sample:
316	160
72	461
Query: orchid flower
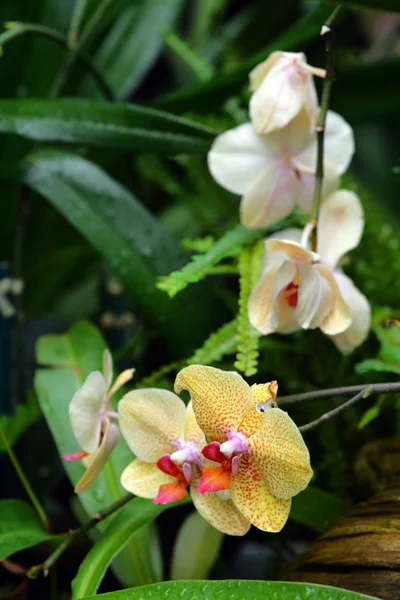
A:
275	172
302	289
282	86
167	441
261	454
91	419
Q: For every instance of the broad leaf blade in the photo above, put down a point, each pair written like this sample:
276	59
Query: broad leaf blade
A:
130	520
317	509
20	528
103	124
240	590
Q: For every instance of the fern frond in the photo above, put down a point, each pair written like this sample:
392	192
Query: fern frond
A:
247	336
201	264
217	345
202	244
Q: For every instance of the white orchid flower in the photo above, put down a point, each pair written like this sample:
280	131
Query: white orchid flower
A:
91	419
275	172
300	289
283	86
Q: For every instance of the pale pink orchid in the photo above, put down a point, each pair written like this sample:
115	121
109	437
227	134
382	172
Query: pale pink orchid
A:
164	436
92	419
275	172
282	86
300	289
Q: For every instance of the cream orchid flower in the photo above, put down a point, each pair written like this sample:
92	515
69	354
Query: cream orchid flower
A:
302	289
91	419
283	85
261	452
167	441
275	172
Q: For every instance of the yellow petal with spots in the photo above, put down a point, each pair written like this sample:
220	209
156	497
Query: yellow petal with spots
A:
264	395
152	422
278	450
95	462
220	513
144	479
220	399
254	500
193	433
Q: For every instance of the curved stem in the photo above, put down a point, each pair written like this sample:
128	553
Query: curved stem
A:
76	533
16	29
375	388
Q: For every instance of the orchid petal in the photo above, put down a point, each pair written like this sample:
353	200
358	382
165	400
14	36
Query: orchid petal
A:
338	147
193	433
339	319
315	297
293	251
252	497
144	479
220	399
107	368
84	411
220	513
237	157
271	197
152	422
262	393
278	451
121	380
214	479
306	186
340	226
289	141
171	492
95	462
360	311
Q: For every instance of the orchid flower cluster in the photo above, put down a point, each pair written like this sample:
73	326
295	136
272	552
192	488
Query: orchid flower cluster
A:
241	456
271	162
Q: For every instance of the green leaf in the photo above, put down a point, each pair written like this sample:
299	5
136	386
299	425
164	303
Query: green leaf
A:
196	548
371	414
388	359
317	509
71	357
221	342
211	95
20	528
381	5
128	236
134	42
134	516
103	124
201	264
247	336
238	590
15	425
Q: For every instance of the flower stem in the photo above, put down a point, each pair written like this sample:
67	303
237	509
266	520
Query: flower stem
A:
375	388
23	478
328	33
76	533
16	29
363	393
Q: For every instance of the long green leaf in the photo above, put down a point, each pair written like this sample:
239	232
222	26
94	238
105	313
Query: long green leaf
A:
207	96
71	357
103	124
238	590
122	230
131	519
20	528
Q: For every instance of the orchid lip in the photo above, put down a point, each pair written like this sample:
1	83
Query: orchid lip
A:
235	444
186	453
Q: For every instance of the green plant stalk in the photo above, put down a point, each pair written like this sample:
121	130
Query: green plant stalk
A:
24	480
329	36
375	388
77	16
76	533
364	393
15	29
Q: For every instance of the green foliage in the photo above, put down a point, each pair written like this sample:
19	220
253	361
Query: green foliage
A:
227	590
102	124
201	264
196	548
66	360
317	509
219	344
199	66
25	415
371	414
389	353
134	516
389	5
247	336
20	528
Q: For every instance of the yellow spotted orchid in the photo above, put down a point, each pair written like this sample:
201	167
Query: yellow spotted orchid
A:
302	289
282	86
167	441
261	454
92	419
